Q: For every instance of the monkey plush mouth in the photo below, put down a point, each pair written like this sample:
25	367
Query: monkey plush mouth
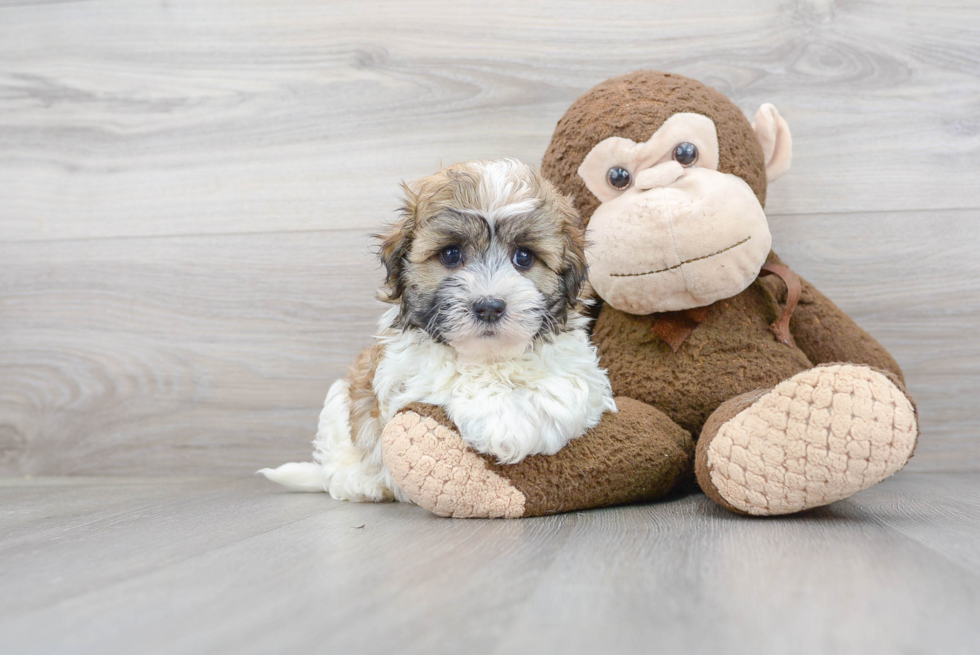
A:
676	266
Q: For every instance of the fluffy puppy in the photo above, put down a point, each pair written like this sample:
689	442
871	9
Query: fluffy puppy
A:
486	268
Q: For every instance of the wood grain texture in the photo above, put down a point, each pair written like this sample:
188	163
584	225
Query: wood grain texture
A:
196	566
912	279
185	191
132	118
213	354
169	354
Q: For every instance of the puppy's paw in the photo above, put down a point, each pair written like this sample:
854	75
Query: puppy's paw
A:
510	427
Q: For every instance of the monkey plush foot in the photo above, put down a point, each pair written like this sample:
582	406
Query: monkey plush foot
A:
816	438
637	454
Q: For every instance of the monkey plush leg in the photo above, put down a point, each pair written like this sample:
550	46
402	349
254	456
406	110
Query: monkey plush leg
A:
634	455
816	438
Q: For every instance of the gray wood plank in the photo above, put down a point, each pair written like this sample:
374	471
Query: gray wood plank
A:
162	355
213	354
351	551
940	511
703	581
135	525
123	119
912	279
126	347
239	566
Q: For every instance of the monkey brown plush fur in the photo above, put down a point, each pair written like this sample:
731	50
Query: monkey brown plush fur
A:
706	334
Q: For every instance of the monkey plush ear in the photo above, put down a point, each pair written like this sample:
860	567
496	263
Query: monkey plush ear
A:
775	139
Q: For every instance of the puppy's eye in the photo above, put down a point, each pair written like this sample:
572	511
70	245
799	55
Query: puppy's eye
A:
686	154
451	256
523	258
619	178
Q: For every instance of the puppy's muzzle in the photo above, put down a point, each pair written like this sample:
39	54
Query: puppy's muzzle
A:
489	310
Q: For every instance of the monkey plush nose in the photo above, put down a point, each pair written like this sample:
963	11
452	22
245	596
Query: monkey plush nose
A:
489	310
660	175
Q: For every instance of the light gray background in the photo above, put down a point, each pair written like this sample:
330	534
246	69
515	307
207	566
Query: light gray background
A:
185	194
186	191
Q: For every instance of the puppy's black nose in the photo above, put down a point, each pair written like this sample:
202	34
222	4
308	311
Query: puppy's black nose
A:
489	310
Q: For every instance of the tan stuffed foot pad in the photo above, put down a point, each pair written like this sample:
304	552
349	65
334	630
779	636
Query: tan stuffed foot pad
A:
433	466
814	439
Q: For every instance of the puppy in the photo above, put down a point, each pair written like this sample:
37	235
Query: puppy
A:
486	267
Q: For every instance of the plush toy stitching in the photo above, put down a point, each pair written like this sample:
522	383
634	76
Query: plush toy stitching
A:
670	268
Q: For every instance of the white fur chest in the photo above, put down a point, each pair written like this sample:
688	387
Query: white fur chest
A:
532	404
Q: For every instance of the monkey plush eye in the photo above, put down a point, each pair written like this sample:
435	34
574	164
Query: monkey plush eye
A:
686	154
523	258
619	178
451	256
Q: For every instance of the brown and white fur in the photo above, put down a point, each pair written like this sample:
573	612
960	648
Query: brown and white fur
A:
487	269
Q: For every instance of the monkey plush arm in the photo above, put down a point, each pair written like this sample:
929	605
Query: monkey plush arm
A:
826	334
637	454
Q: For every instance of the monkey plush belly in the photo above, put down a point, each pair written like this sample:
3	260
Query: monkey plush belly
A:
729	353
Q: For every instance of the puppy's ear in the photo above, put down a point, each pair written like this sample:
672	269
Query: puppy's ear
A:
575	268
395	244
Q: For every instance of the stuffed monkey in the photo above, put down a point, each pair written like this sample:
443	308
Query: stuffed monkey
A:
704	331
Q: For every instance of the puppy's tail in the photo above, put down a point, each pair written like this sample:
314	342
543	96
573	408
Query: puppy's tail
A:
333	443
297	476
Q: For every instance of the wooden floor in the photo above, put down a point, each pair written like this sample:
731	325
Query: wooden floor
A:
115	565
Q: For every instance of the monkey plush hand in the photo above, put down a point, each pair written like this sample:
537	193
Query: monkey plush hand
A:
704	331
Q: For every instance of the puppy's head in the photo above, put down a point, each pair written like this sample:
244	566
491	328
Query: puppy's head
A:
487	257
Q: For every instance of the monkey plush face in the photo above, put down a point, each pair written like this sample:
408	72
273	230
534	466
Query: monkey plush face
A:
671	178
672	232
